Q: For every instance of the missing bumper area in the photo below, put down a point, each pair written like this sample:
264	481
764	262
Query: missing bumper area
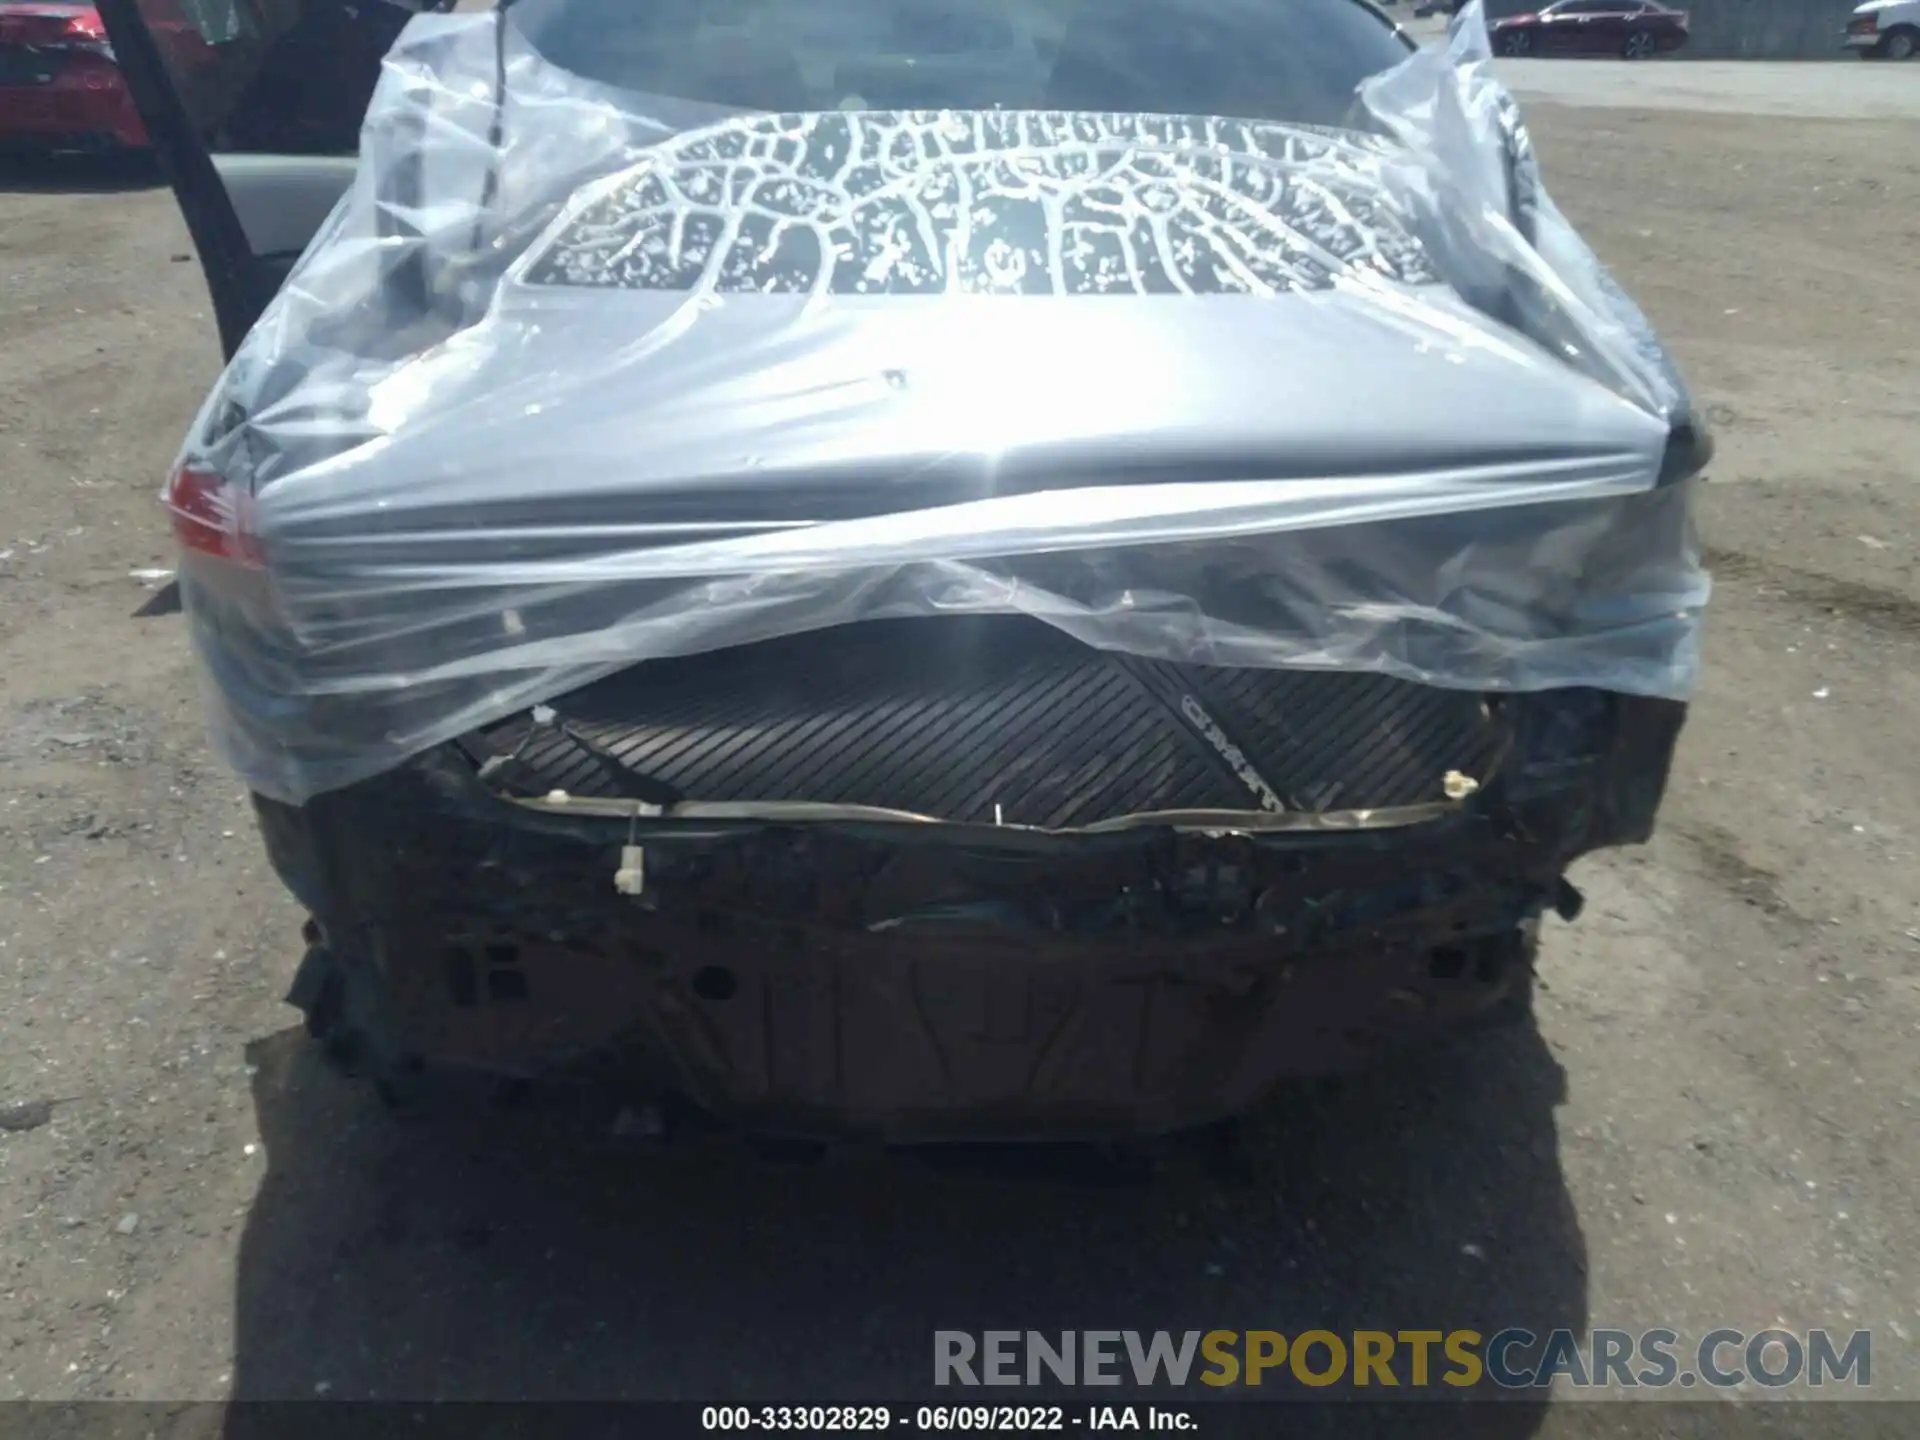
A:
845	968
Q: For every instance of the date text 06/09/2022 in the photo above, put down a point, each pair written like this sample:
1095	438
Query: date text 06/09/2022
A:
933	1418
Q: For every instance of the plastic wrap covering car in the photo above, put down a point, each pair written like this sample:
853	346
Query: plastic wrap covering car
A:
579	376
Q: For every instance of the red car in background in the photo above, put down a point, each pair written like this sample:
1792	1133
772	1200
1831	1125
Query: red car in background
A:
261	75
1627	28
60	87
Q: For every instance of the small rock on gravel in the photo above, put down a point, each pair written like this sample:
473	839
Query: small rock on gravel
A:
30	1116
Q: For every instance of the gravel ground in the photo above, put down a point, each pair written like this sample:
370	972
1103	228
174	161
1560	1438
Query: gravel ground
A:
1713	1123
1840	90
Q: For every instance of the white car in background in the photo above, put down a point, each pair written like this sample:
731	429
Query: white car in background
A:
1885	29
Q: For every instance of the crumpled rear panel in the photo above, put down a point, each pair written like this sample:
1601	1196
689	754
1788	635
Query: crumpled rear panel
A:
578	378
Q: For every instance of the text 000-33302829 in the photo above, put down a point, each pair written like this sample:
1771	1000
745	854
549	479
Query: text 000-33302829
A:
941	1418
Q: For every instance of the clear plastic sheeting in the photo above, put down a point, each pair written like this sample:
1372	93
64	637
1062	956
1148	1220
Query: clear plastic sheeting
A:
579	375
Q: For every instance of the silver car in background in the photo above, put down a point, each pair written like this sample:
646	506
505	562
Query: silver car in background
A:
1885	29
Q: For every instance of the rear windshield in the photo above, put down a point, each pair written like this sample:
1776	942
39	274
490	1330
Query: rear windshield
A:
296	75
1294	60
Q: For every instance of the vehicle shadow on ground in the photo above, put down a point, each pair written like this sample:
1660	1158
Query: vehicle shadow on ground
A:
78	174
528	1254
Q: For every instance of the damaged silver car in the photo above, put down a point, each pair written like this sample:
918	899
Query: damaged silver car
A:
923	568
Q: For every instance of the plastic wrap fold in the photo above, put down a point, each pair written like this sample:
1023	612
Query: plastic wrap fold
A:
573	379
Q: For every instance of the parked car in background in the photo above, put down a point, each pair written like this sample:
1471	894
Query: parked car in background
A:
1625	28
1885	29
59	85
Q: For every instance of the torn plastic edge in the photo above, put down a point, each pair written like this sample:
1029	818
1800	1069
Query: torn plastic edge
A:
1223	510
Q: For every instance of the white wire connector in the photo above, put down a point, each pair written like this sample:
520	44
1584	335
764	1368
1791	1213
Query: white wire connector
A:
631	877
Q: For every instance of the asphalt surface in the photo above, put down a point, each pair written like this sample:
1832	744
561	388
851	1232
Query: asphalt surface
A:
1712	1124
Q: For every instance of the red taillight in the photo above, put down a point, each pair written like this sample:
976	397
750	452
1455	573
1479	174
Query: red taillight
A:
86	26
211	517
